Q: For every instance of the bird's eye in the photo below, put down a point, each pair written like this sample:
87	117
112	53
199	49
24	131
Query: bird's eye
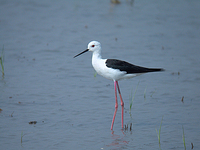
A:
93	45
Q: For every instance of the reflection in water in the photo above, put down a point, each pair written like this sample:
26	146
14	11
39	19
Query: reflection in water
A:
118	141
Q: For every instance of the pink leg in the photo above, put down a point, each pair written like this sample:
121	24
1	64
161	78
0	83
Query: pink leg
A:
116	105
122	104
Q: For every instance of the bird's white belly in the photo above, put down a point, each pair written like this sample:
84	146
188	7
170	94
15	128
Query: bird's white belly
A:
109	73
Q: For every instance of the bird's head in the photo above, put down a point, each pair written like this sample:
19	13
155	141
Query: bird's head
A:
93	46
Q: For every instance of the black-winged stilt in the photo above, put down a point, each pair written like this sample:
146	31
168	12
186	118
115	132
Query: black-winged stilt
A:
115	70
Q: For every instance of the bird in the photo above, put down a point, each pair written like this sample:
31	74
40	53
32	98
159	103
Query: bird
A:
114	69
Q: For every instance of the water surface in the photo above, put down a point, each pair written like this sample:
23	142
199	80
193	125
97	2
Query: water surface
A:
74	109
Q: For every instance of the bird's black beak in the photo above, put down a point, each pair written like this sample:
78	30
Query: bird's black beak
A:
81	52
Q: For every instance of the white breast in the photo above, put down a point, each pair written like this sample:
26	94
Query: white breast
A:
109	73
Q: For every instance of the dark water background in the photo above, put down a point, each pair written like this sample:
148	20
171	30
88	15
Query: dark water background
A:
74	109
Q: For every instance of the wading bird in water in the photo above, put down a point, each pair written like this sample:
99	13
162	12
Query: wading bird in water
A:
115	70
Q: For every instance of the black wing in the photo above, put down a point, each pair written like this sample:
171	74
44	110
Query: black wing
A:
129	68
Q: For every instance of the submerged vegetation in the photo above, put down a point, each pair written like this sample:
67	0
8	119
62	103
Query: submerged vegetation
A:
2	61
158	132
184	138
132	97
145	93
95	74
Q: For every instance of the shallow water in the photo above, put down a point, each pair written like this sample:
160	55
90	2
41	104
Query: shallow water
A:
74	109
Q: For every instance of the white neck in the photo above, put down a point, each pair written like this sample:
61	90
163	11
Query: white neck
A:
96	54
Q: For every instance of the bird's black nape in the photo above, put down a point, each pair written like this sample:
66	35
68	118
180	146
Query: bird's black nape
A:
81	52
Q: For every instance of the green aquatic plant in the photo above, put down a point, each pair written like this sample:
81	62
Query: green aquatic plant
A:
132	97
2	61
153	92
145	93
22	136
158	132
95	74
184	138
